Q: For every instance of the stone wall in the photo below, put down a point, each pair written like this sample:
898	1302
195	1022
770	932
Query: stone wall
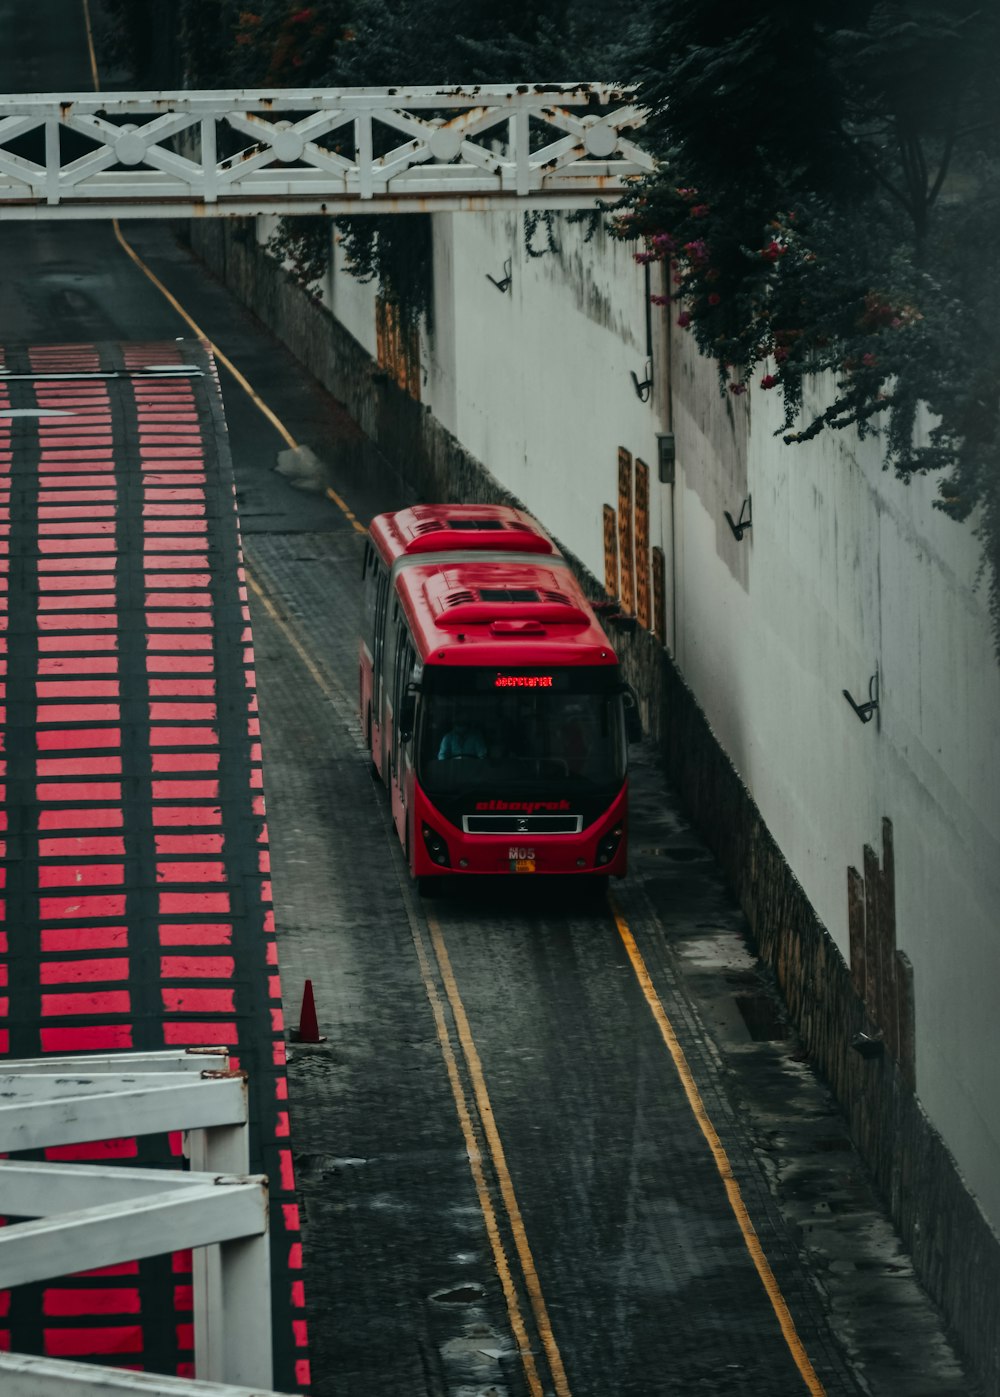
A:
953	1248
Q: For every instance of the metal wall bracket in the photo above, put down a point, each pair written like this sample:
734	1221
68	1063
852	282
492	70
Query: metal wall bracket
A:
504	283
866	711
643	390
745	521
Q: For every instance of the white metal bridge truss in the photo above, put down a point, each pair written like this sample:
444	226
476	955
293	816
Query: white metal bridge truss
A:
335	151
86	1216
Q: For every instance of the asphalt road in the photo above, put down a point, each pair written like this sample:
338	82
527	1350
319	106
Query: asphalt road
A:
524	1147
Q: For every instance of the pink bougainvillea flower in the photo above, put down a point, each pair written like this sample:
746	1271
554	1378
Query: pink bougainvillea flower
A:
869	360
768	381
659	300
780	354
699	211
663	242
643	257
737	388
697	250
684	319
688	193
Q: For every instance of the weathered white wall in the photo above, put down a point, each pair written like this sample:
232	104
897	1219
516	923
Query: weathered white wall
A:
535	381
845	572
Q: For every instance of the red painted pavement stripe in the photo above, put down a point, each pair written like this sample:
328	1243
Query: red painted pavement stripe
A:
175	686
196	934
65	972
60	875
77	688
63	1303
75	582
78	739
107	817
188	843
197	967
75	565
163	762
197	1001
78	766
186	664
68	845
193	872
89	1038
66	939
186	815
79	664
79	791
71	712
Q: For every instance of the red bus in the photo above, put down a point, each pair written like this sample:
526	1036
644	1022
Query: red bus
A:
418	534
501	715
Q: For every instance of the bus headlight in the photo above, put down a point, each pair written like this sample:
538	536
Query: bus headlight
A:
608	846
437	849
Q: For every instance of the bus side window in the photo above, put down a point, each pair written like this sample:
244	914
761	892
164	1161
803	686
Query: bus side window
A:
402	701
390	650
369	587
381	596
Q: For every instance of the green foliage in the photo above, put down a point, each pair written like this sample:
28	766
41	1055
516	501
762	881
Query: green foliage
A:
304	243
828	198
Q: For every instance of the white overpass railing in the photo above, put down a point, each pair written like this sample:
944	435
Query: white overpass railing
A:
86	1216
334	151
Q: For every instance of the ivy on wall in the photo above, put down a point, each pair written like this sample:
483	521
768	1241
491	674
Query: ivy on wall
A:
828	200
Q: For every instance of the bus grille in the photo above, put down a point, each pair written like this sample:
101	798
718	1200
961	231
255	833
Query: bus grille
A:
522	824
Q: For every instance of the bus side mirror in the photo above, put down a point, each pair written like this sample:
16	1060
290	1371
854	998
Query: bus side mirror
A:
633	722
408	713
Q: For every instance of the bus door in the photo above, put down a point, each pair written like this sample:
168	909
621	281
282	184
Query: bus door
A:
381	584
403	707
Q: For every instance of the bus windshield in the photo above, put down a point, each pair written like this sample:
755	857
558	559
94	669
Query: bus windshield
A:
521	734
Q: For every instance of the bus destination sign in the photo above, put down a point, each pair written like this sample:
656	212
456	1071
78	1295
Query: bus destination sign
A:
523	681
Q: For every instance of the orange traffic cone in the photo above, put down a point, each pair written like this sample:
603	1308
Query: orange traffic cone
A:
308	1029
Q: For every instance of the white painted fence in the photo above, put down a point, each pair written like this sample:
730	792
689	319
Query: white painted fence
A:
332	151
86	1216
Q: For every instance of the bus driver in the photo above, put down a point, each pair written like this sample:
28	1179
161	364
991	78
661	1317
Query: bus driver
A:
462	741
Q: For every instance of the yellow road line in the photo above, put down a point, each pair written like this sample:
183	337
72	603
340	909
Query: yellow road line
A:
722	1164
482	1188
496	1149
95	78
243	382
